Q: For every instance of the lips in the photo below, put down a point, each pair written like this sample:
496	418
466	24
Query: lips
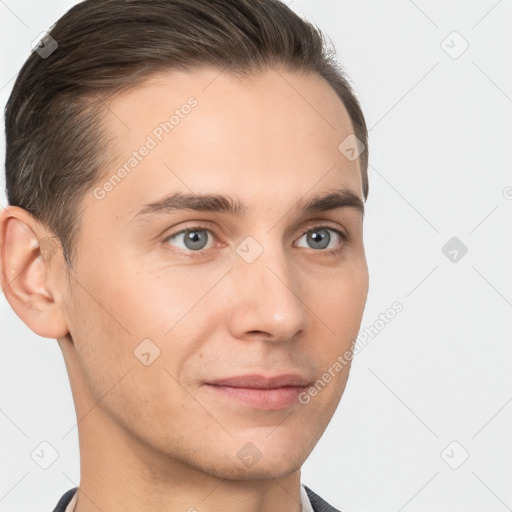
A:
261	392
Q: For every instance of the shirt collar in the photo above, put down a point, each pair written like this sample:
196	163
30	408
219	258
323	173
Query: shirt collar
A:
72	503
304	501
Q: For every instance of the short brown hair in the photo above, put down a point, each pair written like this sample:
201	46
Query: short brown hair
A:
55	147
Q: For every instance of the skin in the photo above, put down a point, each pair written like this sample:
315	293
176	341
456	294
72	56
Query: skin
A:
155	437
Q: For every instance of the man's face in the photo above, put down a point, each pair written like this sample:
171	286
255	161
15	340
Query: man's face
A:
156	315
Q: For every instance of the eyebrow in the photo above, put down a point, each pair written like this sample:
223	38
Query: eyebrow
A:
219	203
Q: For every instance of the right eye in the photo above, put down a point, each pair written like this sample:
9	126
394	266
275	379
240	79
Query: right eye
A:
192	238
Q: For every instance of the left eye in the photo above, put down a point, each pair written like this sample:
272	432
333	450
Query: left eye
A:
196	238
320	238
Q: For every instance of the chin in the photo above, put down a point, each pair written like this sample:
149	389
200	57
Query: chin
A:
277	453
263	469
252	456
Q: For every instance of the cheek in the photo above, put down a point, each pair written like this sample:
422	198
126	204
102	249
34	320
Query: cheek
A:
119	326
162	302
123	310
113	370
342	300
340	306
103	344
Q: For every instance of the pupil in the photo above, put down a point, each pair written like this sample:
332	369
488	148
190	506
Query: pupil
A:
319	236
196	239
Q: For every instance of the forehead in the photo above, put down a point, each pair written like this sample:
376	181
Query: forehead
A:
206	131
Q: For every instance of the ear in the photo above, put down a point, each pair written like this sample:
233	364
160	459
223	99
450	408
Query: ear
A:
31	272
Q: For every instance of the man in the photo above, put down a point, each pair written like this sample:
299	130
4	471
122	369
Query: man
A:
186	183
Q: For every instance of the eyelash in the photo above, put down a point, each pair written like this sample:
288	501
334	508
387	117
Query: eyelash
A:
202	227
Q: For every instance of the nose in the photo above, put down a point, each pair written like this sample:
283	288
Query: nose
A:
267	299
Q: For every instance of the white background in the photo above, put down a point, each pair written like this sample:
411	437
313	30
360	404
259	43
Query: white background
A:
440	138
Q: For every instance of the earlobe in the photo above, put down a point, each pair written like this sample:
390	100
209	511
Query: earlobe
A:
28	260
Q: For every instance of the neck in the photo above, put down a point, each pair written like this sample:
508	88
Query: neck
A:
119	473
